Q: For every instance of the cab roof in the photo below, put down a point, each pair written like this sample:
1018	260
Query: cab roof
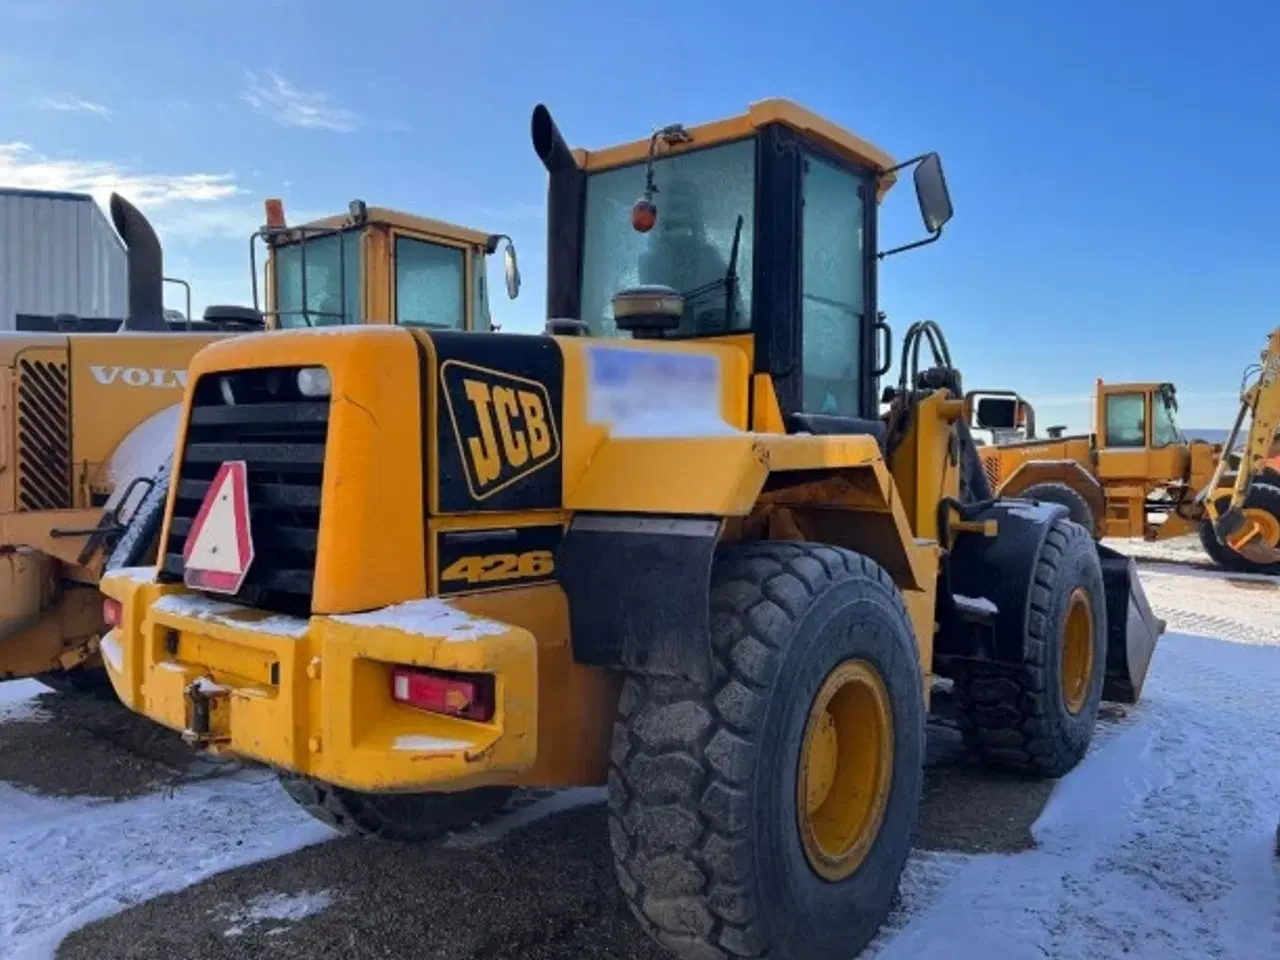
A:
840	141
385	216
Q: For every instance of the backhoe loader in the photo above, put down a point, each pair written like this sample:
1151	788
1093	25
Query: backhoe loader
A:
1136	475
666	545
86	420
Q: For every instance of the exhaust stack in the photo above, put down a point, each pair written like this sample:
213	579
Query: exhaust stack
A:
146	268
566	195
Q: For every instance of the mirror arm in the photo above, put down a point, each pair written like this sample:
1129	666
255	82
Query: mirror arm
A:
902	166
932	238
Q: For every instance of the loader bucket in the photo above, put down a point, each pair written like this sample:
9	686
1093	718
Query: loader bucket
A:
1132	629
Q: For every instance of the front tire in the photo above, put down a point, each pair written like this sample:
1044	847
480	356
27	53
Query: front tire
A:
400	817
1037	717
771	811
1263	502
1053	492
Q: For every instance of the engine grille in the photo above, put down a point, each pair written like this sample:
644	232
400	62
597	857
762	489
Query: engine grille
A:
43	436
992	467
281	436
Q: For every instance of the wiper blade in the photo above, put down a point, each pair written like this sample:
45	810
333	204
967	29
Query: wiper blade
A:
729	281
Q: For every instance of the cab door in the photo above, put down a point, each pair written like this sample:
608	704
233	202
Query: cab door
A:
1124	435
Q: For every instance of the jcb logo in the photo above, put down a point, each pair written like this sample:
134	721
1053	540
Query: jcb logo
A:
160	378
504	425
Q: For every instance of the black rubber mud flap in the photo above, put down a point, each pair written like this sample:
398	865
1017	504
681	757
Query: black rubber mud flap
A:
143	527
999	570
639	592
1132	629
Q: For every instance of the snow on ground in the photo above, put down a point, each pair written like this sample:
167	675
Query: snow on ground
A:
66	862
16	700
277	906
1159	845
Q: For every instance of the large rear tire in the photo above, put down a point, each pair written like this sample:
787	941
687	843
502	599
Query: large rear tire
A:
770	811
90	682
1263	502
1037	717
1053	492
401	817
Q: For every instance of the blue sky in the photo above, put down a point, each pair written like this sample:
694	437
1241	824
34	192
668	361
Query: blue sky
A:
1110	163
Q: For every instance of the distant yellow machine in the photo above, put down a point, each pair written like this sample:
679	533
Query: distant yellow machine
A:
1136	475
669	547
86	420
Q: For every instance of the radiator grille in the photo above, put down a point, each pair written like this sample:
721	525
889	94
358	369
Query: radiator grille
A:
992	467
43	436
281	436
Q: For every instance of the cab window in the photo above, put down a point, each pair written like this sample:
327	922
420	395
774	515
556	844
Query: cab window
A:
430	285
833	301
1126	420
1164	428
701	196
326	263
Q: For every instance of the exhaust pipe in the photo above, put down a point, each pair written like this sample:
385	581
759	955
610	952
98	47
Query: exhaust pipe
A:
566	198
146	268
549	145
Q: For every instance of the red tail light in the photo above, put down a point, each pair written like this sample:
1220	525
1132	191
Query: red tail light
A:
469	696
112	612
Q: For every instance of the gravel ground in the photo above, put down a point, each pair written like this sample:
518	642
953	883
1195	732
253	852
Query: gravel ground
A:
544	890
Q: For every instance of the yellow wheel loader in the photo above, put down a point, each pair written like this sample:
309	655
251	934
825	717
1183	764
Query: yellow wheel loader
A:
667	545
87	420
1136	475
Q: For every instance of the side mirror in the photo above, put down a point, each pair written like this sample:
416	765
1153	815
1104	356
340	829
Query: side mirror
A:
511	270
997	413
932	194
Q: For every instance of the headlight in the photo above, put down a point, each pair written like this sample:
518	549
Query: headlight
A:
314	382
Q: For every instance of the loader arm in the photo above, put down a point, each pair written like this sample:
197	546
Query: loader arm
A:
1260	402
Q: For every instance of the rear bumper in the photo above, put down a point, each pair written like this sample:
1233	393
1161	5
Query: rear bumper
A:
314	696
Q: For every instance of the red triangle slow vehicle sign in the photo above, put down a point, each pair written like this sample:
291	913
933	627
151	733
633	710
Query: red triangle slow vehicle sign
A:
219	549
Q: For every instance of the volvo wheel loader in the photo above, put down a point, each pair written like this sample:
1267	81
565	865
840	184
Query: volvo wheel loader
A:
666	545
87	419
1136	475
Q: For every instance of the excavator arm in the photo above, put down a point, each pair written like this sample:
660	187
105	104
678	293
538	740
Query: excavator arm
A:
1260	402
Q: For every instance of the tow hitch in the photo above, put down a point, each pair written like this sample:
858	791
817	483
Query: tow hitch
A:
206	704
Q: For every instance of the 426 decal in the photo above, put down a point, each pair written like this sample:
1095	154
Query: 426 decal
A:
501	567
487	559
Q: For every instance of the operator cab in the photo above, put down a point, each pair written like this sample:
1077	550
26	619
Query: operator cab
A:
759	230
375	265
1137	415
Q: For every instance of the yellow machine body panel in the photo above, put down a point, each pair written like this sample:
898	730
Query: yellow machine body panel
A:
84	415
522	455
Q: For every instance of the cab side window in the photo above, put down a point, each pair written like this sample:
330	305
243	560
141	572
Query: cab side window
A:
430	285
833	301
1126	420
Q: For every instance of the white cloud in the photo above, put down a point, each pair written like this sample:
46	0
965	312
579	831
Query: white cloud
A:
274	96
70	103
20	166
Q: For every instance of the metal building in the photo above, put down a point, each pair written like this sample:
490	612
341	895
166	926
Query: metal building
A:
58	255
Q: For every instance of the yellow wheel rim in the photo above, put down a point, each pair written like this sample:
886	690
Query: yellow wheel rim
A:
1076	669
846	768
1266	527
